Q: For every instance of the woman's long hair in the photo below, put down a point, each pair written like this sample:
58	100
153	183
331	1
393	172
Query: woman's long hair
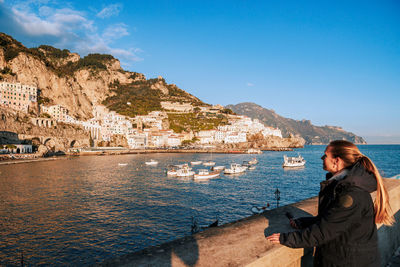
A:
350	154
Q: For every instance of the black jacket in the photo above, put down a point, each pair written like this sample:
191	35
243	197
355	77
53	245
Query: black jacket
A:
344	231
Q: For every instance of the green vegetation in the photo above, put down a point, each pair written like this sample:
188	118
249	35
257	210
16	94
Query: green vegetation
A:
43	100
54	52
51	56
45	115
227	111
94	61
142	98
11	47
192	122
7	70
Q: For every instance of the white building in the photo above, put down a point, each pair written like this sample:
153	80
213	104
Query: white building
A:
137	140
235	137
57	112
17	96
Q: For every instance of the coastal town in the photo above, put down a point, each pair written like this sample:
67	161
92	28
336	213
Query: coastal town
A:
141	132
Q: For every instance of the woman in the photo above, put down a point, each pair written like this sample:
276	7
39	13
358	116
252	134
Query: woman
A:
344	231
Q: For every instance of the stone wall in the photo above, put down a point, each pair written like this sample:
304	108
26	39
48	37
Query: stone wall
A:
243	243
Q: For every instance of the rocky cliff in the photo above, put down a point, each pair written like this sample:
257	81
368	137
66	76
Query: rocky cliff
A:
71	81
312	134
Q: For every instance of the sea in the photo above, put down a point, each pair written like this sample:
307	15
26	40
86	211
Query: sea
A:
80	211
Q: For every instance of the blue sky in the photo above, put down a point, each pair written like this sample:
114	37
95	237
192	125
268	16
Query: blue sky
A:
334	63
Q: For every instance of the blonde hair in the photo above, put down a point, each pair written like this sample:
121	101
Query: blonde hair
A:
350	154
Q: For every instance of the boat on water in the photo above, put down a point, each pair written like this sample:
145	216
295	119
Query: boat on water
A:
196	162
206	174
253	151
292	162
253	161
185	172
171	170
235	168
209	163
252	167
152	162
180	166
217	168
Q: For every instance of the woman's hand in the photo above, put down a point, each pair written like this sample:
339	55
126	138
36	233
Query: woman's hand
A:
274	238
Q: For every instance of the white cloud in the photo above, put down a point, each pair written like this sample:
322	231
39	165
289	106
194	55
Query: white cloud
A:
115	31
53	22
250	84
69	28
111	10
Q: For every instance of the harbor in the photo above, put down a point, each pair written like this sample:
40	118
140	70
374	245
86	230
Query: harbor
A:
105	207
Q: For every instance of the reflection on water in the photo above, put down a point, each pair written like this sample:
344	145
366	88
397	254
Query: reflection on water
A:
84	210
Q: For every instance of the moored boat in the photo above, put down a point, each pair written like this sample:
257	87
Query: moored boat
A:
184	172
292	162
217	168
171	170
209	163
235	168
253	161
196	162
205	174
152	162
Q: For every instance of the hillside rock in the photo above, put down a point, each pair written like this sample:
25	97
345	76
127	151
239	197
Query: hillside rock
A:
313	135
71	81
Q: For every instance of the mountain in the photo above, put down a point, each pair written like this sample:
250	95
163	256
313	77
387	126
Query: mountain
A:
79	83
311	133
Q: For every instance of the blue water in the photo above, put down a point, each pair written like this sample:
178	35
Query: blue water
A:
84	210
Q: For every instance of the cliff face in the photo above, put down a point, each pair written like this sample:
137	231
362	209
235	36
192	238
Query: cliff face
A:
67	79
313	135
76	90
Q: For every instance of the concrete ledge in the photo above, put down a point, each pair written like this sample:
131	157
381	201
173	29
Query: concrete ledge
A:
243	243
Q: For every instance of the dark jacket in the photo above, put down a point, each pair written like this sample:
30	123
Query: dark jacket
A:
344	231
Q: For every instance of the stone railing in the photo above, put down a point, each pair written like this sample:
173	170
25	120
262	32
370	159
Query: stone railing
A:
243	243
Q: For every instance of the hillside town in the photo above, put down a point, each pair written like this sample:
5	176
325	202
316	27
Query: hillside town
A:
142	131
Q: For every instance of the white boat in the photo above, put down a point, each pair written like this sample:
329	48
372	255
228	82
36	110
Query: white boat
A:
252	167
246	164
205	174
290	162
122	164
184	165
253	151
196	162
217	168
235	168
152	162
253	161
209	163
171	171
184	172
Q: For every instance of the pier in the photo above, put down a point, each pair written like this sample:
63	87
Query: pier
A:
243	243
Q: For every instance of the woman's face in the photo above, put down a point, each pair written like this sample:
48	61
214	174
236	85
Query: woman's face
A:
329	162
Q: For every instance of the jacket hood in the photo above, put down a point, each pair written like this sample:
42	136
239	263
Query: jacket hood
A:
360	177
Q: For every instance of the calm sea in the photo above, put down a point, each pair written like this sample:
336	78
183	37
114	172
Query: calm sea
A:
83	210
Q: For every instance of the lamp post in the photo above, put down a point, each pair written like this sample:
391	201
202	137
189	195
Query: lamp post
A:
277	196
